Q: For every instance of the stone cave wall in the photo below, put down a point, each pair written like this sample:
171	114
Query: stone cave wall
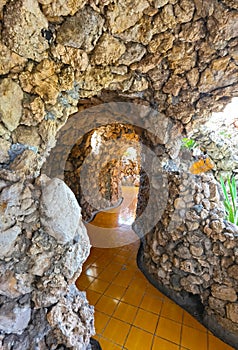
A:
100	185
191	253
43	246
177	56
220	143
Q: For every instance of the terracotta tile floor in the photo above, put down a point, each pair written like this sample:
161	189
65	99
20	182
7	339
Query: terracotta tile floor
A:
129	312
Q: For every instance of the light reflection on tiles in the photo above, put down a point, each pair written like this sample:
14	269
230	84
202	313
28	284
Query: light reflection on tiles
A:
130	313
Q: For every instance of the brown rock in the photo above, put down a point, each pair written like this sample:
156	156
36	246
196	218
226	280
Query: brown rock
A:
10	61
94	79
142	32
182	58
2	4
27	135
161	43
231	3
139	84
8	285
220	72
193	77
223	292
45	81
76	58
168	17
189	266
204	8
48	90
125	14
23	22
227	22
58	8
232	312
184	11
233	271
11	96
234	53
158	75
217	226
192	226
217	305
82	30
134	53
174	85
34	110
179	203
108	50
4	148
160	3
193	31
183	252
196	250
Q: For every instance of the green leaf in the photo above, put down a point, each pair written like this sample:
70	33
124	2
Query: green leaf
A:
230	201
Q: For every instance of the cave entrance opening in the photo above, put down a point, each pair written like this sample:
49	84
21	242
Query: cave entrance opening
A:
218	139
103	170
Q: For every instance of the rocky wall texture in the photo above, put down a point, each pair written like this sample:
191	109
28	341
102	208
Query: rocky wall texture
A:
94	167
191	254
220	141
181	55
177	56
43	246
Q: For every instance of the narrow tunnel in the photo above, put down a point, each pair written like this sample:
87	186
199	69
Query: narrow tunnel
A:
74	75
113	194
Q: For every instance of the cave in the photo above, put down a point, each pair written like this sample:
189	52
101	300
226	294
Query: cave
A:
83	83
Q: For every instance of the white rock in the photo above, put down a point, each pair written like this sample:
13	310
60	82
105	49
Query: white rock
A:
7	240
60	212
13	318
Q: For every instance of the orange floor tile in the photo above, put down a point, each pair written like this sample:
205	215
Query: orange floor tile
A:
130	313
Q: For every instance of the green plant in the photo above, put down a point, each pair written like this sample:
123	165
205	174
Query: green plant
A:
230	201
188	143
225	134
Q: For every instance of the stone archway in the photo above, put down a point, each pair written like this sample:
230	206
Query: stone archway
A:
178	56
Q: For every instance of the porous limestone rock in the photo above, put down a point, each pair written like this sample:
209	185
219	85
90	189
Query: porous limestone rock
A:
134	53
65	317
10	61
108	50
232	312
11	96
177	56
74	57
23	22
58	8
4	148
125	14
14	319
224	293
81	30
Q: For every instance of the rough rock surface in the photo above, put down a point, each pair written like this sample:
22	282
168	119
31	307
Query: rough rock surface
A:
219	139
58	199
191	254
82	30
11	96
45	268
177	56
23	22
